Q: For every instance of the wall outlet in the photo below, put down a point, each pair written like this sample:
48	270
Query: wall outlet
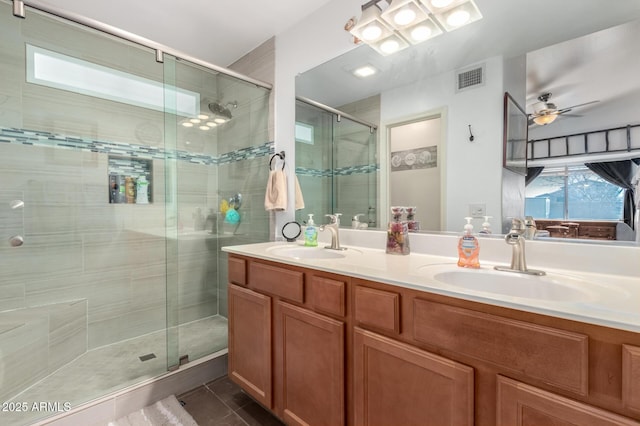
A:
477	210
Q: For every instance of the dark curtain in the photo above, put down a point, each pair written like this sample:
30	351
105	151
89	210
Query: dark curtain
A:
619	173
532	173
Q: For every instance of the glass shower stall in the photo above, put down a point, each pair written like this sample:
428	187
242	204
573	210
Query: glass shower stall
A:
336	164
119	165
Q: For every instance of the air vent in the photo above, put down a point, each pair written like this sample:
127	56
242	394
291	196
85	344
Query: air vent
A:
470	78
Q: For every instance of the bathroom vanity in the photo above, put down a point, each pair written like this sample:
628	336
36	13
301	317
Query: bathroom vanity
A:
371	339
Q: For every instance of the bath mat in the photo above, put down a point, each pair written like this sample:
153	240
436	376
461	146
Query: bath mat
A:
167	412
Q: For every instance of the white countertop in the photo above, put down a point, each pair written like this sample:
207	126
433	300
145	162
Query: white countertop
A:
613	300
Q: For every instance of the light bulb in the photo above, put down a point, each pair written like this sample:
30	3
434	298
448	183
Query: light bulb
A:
203	116
390	46
211	124
194	120
458	18
420	33
371	32
220	120
187	124
404	17
204	127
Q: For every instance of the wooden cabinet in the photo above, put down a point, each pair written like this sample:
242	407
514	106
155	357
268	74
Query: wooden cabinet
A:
288	357
631	377
520	404
250	343
312	348
322	349
398	384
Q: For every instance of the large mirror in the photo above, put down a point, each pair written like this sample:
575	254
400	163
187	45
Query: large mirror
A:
577	58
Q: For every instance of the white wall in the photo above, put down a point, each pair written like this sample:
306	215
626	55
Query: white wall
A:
472	169
309	43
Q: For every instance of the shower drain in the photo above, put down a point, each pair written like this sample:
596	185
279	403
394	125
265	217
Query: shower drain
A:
147	357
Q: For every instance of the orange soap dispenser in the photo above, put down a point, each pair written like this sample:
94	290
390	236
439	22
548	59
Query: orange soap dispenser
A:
468	248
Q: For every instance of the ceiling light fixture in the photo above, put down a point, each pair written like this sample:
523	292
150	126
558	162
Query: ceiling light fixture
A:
365	71
220	115
544	119
409	21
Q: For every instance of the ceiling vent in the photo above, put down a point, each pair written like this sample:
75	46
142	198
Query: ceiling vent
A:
469	78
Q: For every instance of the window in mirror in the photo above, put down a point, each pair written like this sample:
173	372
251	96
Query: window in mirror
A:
573	192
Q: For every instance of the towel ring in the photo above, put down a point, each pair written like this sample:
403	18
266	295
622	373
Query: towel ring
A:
277	154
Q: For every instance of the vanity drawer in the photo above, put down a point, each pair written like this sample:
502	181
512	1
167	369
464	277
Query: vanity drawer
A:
277	281
327	295
557	357
520	404
377	308
631	377
237	271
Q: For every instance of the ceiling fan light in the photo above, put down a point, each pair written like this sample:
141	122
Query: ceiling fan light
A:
545	119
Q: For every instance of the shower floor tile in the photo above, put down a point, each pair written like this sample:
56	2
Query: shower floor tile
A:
104	370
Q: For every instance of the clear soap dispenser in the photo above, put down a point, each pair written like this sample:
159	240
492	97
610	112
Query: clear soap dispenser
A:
486	226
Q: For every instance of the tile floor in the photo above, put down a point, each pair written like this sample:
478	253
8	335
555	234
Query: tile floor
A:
223	403
116	366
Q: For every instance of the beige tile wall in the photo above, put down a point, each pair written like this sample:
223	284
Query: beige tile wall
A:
106	264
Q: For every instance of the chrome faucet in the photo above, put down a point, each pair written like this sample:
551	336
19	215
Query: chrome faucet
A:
334	227
516	238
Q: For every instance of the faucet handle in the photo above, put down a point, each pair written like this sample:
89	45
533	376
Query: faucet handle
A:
337	215
332	218
517	225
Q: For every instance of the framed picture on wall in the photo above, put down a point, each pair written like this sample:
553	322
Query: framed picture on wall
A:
514	150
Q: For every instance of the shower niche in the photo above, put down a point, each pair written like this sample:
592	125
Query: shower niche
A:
130	180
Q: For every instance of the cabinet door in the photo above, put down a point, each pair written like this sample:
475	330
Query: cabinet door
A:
250	343
520	404
312	355
398	384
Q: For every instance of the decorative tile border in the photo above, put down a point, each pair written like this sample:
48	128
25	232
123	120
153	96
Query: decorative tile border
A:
341	171
52	140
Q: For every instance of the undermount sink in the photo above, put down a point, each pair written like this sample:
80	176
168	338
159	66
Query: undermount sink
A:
550	287
301	252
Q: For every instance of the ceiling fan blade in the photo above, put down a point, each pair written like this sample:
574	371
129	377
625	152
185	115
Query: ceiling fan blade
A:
567	109
572	115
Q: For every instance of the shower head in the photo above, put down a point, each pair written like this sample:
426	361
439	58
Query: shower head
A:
221	113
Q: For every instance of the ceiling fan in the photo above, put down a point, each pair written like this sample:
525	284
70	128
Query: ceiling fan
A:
545	112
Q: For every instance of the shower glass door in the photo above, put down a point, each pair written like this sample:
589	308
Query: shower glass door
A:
336	164
83	261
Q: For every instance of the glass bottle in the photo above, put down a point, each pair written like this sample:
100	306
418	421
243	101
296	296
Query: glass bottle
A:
397	233
412	224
